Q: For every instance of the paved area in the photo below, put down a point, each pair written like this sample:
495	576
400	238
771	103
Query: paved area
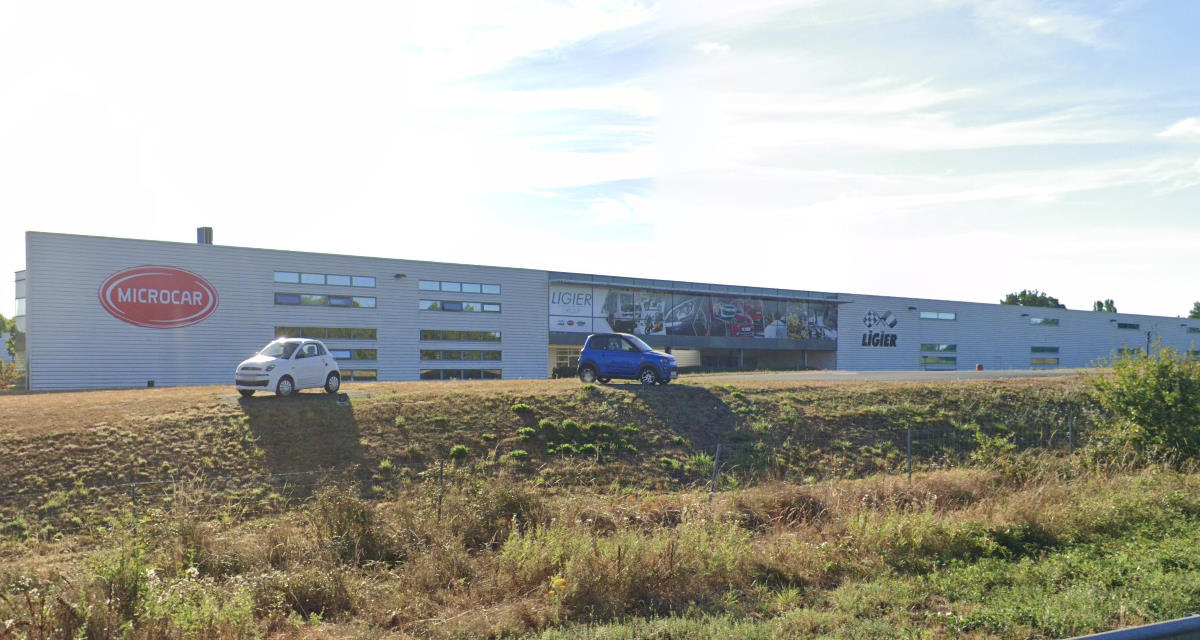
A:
890	376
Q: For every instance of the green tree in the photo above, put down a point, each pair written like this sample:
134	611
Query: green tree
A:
1195	310
1153	404
1104	305
1033	298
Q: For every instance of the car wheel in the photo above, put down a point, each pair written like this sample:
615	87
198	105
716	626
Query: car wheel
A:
286	386
587	374
332	383
246	393
647	376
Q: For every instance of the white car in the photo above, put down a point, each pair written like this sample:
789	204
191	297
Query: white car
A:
288	365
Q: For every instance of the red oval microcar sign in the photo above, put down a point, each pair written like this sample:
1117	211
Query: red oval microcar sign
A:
158	297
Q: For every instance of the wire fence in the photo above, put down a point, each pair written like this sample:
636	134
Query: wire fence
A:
738	459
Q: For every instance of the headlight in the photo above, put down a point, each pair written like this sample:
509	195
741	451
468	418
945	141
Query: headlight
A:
270	367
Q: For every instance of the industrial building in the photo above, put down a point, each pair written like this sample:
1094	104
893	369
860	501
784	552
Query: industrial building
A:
97	312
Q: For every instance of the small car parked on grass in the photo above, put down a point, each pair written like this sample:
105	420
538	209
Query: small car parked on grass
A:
620	355
288	365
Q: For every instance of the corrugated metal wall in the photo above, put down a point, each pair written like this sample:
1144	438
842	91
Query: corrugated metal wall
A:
993	335
74	343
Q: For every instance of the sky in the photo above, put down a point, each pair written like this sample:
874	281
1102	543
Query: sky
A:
949	149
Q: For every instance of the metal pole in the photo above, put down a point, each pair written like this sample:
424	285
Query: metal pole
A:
1071	436
908	449
712	483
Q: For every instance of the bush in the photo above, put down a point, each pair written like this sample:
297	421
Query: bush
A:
458	452
518	454
348	529
525	433
1153	402
521	408
564	371
545	424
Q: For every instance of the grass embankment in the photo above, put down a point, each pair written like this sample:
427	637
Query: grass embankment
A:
68	451
610	541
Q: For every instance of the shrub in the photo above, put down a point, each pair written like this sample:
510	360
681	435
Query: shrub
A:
346	527
494	513
567	449
458	452
1153	402
564	371
525	433
385	466
521	408
546	424
399	422
488	436
670	463
588	449
518	454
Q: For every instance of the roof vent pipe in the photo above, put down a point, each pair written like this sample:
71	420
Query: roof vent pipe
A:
203	235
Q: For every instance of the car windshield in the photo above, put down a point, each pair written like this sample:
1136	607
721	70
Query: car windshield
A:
638	344
279	349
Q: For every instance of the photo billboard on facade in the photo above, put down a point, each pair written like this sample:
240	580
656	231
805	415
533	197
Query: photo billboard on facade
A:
645	312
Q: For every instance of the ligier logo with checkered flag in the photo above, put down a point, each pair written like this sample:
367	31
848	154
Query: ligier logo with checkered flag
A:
881	321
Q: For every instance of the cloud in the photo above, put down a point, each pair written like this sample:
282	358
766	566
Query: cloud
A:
710	48
1186	128
1037	17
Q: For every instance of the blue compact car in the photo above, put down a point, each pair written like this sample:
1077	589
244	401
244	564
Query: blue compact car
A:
620	355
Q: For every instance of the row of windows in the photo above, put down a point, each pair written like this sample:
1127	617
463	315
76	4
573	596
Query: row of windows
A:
437	354
1128	325
326	333
360	375
1193	329
460	336
1043	349
460	374
454	305
1043	361
939	315
321	300
292	277
939	347
1044	322
459	287
938	360
354	354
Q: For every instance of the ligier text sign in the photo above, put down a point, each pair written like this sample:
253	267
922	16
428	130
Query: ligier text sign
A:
158	297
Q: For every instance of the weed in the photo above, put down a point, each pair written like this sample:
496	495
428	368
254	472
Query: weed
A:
458	452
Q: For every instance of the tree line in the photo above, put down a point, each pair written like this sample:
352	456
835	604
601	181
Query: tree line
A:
1035	298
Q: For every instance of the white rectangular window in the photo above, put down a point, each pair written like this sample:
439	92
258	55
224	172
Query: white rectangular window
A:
939	315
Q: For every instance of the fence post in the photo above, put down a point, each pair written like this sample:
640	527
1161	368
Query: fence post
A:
712	483
441	488
908	451
1071	436
133	500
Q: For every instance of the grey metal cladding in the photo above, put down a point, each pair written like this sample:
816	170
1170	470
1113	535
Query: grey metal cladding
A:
994	335
74	343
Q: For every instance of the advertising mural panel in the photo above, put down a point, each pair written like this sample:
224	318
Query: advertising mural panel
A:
583	309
